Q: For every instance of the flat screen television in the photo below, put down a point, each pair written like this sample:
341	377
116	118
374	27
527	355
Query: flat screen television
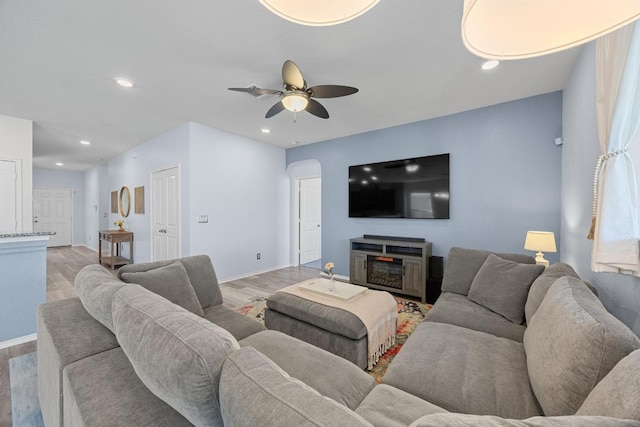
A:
407	188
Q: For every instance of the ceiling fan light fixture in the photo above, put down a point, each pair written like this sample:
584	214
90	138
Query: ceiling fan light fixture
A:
295	101
507	29
319	12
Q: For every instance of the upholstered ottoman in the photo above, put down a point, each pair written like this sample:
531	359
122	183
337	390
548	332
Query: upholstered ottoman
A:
336	330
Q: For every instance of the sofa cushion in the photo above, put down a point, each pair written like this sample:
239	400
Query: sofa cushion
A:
502	286
572	342
458	310
465	420
388	406
618	394
463	264
66	334
104	390
330	375
201	274
170	281
541	285
254	391
176	354
238	325
95	285
462	370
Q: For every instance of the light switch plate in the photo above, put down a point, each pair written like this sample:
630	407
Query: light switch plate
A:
203	218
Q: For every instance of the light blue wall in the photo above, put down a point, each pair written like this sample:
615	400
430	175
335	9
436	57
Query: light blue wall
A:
97	204
619	293
133	169
242	185
51	178
505	177
23	285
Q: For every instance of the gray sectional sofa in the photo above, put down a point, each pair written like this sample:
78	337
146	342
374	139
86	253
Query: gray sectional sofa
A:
505	345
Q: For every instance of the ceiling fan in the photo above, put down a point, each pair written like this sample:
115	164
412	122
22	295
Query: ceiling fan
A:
296	96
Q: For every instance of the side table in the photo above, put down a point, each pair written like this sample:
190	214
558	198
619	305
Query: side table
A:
115	238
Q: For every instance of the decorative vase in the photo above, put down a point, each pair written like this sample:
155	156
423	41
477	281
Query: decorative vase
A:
333	284
120	228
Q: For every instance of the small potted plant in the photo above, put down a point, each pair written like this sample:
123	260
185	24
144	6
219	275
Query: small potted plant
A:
119	223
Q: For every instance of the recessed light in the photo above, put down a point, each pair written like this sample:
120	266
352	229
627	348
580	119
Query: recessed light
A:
83	142
124	82
294	143
265	130
490	64
366	169
59	164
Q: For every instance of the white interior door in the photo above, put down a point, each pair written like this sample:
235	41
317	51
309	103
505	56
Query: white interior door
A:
310	220
165	214
8	197
52	211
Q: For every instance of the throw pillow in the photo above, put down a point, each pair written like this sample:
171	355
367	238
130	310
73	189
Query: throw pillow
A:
171	282
616	395
502	286
572	342
463	264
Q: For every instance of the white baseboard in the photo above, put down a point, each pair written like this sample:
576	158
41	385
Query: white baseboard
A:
18	341
254	273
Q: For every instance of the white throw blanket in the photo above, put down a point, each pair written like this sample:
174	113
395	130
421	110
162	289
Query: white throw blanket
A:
378	311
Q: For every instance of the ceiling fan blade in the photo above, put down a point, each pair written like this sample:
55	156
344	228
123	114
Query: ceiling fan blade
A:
315	108
331	91
291	75
277	107
256	91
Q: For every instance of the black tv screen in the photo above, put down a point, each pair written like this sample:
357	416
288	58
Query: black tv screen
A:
408	188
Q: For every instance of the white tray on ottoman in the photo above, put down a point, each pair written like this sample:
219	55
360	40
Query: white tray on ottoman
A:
343	291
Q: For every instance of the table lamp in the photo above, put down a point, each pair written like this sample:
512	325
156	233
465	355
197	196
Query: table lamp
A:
540	241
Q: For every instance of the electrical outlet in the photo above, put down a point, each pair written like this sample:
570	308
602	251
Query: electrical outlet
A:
258	255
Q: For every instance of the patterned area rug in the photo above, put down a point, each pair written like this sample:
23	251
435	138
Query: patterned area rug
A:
410	315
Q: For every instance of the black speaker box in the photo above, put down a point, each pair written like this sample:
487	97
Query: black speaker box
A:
434	282
436	267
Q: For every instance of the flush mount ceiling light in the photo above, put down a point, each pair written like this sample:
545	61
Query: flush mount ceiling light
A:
508	29
59	164
319	12
265	130
124	82
83	142
490	64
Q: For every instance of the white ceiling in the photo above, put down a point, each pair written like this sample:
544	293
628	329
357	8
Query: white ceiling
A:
58	59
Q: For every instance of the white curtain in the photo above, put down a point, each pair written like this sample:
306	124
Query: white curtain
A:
615	232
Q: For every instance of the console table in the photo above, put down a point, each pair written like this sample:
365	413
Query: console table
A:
391	264
115	238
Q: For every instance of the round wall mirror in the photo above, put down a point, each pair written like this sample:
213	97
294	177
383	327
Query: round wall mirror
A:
125	202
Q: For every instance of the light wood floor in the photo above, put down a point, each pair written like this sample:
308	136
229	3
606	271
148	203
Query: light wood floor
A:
64	263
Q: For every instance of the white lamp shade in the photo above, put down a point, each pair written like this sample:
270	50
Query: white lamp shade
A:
295	101
516	29
319	12
540	241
